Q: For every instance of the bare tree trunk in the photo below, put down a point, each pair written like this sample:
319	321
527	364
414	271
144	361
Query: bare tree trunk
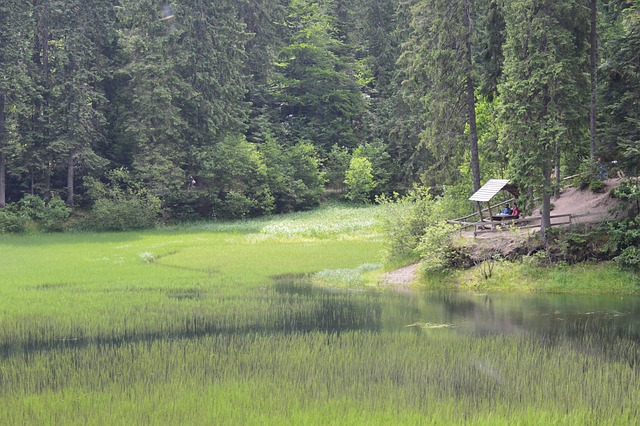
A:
546	199
471	100
3	182
3	158
556	170
593	69
70	175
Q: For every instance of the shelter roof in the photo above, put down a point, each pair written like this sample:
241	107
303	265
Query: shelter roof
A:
488	190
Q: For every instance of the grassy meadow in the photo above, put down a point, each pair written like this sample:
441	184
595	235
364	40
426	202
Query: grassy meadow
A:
220	323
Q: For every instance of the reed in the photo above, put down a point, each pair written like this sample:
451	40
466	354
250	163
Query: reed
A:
223	323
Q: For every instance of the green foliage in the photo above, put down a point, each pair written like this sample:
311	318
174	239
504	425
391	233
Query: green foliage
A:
359	180
237	176
293	175
629	192
381	166
620	85
589	173
597	186
12	221
120	204
622	234
629	258
49	216
316	89
335	166
415	229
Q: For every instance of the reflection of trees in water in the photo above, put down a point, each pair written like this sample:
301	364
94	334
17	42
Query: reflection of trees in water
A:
593	325
308	308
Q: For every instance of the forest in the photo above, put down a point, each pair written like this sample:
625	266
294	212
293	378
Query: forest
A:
238	108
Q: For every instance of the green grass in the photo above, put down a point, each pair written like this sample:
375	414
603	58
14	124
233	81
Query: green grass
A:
587	278
221	323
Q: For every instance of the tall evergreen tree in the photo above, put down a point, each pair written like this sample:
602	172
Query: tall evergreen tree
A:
541	88
316	89
83	31
442	37
620	85
15	83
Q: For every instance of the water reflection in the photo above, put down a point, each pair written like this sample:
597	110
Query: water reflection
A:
548	314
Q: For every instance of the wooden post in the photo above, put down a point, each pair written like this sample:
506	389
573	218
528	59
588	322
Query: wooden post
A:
479	210
490	214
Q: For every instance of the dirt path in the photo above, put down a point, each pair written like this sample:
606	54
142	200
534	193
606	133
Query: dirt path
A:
401	277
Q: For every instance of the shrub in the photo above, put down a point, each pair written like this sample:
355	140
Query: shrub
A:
359	180
416	228
293	175
629	259
597	186
237	178
12	222
588	172
629	192
51	216
32	211
121	204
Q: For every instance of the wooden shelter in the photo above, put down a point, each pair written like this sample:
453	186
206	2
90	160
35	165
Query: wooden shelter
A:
487	192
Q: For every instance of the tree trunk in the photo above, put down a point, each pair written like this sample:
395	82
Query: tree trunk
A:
471	99
556	170
3	184
70	189
546	198
3	158
593	68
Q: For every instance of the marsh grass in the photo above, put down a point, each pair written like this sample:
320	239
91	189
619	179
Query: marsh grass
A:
357	377
222	323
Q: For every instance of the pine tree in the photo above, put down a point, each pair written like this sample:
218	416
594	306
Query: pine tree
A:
14	81
541	91
440	52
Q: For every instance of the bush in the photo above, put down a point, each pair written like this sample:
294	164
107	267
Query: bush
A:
629	259
237	178
589	173
121	204
597	186
12	222
32	211
359	180
416	229
293	175
629	192
50	217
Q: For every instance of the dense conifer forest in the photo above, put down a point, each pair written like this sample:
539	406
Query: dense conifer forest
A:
234	108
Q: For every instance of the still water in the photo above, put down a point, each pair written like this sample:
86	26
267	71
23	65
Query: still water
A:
603	318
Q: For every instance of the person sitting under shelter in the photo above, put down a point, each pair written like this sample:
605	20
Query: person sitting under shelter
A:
515	212
506	211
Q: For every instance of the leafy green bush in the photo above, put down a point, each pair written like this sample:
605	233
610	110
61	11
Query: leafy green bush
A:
120	204
588	173
12	221
237	175
49	217
359	180
33	212
293	175
629	192
416	228
629	259
597	186
623	234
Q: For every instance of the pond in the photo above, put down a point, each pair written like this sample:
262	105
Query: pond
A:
597	319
